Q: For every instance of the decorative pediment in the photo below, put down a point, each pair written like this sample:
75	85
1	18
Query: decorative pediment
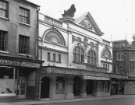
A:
88	23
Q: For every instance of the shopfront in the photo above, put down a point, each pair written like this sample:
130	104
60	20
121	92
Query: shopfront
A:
118	84
97	85
18	77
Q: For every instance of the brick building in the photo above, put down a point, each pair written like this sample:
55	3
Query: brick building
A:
18	48
124	64
78	62
120	60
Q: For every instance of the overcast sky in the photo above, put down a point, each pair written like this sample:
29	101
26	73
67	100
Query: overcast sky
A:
115	18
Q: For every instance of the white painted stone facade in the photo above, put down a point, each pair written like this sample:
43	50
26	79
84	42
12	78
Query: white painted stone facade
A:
73	34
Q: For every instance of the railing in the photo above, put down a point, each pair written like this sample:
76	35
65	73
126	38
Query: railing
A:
50	20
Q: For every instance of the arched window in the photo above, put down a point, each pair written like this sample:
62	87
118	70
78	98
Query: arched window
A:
78	54
53	36
92	57
106	53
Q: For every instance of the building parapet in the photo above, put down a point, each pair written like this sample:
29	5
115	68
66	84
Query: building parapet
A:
49	20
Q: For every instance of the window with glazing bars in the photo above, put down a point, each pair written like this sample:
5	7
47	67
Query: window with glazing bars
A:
3	40
3	8
24	44
24	15
92	57
78	54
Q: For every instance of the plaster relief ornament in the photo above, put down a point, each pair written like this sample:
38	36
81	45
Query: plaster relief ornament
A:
70	12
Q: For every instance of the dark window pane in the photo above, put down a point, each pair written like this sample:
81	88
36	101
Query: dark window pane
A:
59	56
48	56
24	42
3	40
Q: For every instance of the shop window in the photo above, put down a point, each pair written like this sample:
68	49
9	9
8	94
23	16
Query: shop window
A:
3	8
6	80
3	40
24	15
24	44
78	54
60	85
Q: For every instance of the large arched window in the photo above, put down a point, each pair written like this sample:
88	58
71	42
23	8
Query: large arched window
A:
92	57
53	36
78	54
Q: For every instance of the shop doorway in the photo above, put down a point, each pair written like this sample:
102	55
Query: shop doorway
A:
45	85
77	86
22	87
89	87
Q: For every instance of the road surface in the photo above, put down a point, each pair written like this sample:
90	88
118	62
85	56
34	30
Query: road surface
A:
128	100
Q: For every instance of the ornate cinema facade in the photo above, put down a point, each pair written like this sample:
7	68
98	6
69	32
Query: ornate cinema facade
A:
77	61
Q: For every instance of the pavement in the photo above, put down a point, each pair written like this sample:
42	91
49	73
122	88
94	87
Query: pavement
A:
88	100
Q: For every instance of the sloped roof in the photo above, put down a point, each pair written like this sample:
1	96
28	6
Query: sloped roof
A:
89	17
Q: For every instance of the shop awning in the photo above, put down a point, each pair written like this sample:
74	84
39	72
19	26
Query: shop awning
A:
95	78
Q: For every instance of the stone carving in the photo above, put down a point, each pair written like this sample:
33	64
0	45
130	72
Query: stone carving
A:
70	12
74	38
106	53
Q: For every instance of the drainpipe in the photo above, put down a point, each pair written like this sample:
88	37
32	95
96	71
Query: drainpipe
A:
37	76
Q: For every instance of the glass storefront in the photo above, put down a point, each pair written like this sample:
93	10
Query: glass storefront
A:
7	81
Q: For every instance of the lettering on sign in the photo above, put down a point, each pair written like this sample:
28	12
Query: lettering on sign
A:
9	62
18	63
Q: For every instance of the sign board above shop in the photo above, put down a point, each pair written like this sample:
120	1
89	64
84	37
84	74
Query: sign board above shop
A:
21	63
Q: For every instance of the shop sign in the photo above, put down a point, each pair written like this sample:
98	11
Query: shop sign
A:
9	62
61	71
18	63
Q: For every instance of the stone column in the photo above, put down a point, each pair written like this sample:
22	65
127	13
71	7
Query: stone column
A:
83	91
69	88
52	87
37	84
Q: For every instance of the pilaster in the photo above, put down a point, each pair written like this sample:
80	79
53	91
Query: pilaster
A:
69	88
52	87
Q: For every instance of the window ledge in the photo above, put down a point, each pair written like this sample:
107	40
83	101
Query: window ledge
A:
28	25
4	18
5	52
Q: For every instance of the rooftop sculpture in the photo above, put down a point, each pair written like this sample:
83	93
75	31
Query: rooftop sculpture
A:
70	12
